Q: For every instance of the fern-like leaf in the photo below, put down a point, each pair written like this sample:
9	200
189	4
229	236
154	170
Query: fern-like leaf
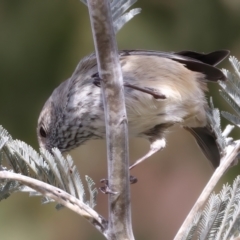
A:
53	169
236	65
231	91
192	229
214	120
209	215
220	218
231	218
118	9
92	191
76	180
231	118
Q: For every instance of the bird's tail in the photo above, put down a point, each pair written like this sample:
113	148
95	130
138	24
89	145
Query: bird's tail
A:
207	141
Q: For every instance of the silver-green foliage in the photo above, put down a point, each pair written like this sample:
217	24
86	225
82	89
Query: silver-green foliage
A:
231	92
220	219
53	169
118	8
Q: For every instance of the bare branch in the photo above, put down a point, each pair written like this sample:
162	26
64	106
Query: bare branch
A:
116	119
61	197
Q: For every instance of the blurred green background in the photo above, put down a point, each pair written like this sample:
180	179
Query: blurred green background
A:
41	42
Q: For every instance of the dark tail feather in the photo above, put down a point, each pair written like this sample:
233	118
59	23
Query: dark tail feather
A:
207	142
213	58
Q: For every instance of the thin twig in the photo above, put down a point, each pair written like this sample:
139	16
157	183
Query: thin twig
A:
120	226
61	197
231	154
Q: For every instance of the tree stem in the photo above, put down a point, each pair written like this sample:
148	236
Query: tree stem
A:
120	226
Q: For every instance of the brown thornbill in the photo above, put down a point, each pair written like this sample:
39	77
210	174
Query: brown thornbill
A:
161	90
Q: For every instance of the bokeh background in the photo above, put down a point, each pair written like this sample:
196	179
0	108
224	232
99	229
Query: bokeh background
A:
41	42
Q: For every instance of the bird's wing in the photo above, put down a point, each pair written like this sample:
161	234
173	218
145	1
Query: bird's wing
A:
197	62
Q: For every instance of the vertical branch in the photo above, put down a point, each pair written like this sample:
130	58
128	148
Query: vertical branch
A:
115	117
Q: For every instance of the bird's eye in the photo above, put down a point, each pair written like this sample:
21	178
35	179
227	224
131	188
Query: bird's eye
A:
42	132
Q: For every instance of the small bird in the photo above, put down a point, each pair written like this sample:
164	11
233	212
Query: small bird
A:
161	89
